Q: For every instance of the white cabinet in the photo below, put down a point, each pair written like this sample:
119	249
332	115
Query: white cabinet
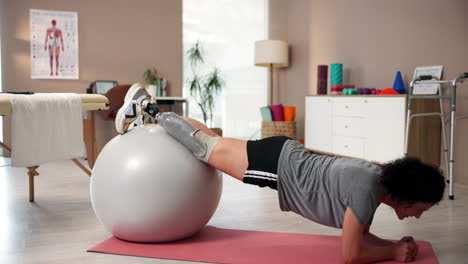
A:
368	127
322	118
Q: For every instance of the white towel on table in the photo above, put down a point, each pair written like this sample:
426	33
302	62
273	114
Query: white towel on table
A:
45	127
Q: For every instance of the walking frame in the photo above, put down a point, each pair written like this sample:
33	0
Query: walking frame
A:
428	79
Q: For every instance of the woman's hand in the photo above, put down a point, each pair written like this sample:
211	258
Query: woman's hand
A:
410	239
406	250
407	239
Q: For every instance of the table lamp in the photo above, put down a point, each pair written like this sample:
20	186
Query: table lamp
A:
271	53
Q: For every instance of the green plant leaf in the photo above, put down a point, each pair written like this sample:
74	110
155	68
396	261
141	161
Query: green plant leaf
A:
196	55
203	89
194	85
215	81
151	76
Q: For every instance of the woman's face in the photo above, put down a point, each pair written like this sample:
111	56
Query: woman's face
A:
405	209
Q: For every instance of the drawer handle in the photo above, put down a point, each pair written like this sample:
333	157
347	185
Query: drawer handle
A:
346	146
346	107
346	126
365	101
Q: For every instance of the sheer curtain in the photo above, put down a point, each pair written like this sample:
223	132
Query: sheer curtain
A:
227	31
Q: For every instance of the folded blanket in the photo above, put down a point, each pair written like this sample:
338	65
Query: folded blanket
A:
45	127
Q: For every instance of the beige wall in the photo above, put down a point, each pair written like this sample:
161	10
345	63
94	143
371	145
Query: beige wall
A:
118	40
374	39
289	20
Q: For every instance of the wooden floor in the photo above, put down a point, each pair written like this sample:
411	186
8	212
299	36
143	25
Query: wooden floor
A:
60	225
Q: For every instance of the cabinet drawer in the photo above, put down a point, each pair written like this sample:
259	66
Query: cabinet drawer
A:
348	126
355	107
348	146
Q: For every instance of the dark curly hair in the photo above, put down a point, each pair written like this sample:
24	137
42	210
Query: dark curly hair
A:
410	180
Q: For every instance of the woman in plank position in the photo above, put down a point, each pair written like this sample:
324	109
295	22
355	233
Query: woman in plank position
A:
338	192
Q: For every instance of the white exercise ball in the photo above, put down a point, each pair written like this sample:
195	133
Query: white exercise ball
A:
147	187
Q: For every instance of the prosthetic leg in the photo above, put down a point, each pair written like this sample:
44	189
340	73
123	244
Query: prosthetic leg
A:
138	103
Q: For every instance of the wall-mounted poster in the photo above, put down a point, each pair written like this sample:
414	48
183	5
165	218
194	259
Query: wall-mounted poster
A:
54	44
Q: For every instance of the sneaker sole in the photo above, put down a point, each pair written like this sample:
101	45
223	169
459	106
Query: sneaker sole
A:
120	120
131	91
120	117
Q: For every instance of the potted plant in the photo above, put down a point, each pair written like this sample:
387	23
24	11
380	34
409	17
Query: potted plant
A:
151	80
204	88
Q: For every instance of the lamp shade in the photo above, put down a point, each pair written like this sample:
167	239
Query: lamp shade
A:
271	52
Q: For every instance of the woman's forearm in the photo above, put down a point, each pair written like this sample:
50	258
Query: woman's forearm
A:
374	254
371	240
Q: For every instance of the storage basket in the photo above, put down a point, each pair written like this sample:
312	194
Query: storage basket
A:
279	128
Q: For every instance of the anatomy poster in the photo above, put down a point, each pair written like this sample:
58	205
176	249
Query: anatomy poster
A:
54	44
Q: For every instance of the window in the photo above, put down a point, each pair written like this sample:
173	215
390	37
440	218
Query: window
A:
227	31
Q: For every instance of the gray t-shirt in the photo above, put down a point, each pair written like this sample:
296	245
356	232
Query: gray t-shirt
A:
320	187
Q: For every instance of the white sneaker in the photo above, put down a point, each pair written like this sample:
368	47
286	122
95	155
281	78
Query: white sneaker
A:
135	103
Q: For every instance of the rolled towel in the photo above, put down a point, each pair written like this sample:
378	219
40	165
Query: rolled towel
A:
277	112
289	113
266	113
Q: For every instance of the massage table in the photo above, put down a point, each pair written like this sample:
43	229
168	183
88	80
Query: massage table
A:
91	103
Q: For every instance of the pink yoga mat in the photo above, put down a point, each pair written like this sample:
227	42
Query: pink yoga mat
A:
217	245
